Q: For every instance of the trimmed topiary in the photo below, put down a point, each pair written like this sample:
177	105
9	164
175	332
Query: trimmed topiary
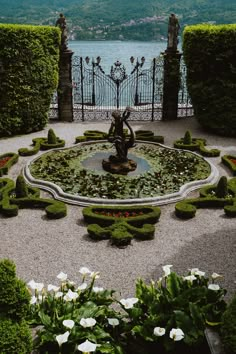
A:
51	142
226	199
90	135
15	337
14	295
228	329
10	202
187	138
195	144
52	139
120	235
21	189
222	188
148	135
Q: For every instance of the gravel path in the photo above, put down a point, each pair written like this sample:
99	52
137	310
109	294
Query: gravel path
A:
41	248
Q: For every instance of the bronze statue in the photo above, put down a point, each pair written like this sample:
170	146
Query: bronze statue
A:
61	23
173	32
120	163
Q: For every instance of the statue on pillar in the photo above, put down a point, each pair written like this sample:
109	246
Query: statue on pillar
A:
61	23
173	32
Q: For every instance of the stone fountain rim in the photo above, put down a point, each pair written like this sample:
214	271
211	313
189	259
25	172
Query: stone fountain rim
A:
58	193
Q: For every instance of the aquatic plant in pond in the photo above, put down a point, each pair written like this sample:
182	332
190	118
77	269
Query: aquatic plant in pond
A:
169	170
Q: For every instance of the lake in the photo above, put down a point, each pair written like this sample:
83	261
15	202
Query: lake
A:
111	51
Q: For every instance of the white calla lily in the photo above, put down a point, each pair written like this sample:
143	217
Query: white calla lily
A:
166	269
190	278
87	347
87	322
84	271
113	322
59	294
97	289
62	276
214	287
129	303
176	334
33	300
35	286
83	286
159	331
215	276
68	323
62	338
196	271
70	295
53	288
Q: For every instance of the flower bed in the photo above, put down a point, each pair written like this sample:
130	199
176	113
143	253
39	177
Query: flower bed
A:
6	161
230	162
166	316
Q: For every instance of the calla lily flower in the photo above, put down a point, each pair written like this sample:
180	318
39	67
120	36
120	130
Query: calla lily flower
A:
53	288
87	322
62	338
97	289
62	276
84	271
94	275
35	286
83	286
59	294
87	347
70	296
113	321
176	334
33	300
159	331
190	278
216	276
68	323
196	271
214	287
166	269
129	303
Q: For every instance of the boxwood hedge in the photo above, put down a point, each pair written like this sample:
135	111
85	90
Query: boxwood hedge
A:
209	53
29	58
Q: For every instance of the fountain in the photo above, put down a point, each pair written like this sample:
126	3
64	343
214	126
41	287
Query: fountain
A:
95	172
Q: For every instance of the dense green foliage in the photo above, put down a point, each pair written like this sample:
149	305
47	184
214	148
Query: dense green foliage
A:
229	327
209	53
15	338
109	19
28	74
195	144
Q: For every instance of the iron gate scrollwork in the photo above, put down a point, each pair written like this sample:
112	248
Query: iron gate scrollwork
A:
96	94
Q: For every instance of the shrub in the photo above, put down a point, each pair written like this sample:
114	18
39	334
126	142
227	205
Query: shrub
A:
29	61
120	236
228	329
14	296
230	162
222	188
21	187
211	75
12	159
187	138
15	338
52	139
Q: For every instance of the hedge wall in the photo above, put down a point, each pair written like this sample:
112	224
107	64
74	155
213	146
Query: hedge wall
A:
210	56
29	58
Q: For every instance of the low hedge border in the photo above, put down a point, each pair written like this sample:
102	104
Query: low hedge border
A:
148	135
150	215
197	144
13	159
187	208
91	135
227	161
41	144
121	229
9	204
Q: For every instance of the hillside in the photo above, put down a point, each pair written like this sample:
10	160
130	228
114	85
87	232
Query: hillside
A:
123	19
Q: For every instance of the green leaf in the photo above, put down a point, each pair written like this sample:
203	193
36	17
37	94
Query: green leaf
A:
196	315
173	284
213	324
46	320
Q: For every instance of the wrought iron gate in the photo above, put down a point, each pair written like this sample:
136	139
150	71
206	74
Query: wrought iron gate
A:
96	94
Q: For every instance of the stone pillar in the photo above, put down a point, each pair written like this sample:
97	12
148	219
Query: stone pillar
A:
64	91
171	84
